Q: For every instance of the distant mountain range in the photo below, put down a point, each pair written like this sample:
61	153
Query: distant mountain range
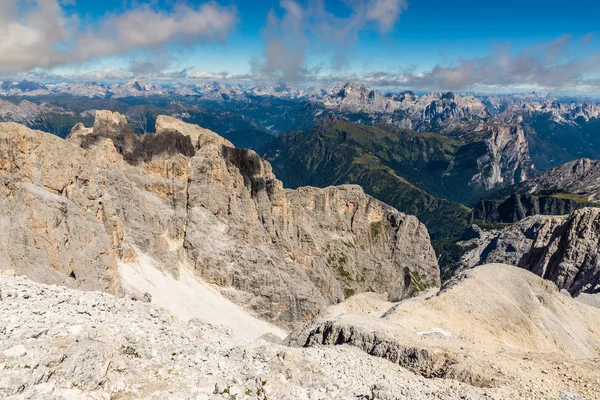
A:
435	155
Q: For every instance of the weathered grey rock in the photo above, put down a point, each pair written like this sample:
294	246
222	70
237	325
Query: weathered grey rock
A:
505	160
563	249
479	328
75	210
580	177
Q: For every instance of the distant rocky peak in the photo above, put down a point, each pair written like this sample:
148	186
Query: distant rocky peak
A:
137	84
406	95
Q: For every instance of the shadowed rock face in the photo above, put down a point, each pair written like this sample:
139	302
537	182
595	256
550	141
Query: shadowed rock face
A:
563	249
76	209
519	206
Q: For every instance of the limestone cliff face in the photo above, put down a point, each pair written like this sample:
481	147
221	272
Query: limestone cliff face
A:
563	249
75	210
506	161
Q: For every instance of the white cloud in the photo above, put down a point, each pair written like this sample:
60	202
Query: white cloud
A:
386	13
302	31
553	66
39	33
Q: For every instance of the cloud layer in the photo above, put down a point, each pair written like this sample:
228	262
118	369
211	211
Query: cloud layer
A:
40	34
304	30
550	65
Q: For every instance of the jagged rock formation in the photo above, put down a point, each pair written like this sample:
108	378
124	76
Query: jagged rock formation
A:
424	113
356	98
557	191
495	325
23	112
135	88
558	130
18	88
580	177
58	343
432	110
562	249
504	158
76	210
520	206
552	109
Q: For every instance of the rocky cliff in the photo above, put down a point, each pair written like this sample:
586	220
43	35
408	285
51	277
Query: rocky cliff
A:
431	111
579	177
520	206
563	249
77	211
504	157
407	110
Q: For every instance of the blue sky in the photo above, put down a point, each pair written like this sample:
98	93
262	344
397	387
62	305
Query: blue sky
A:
429	44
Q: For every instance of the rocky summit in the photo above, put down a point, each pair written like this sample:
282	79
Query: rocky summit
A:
85	211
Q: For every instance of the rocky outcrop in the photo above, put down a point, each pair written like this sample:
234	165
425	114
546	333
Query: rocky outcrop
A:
431	111
520	206
424	113
562	249
477	329
356	98
135	88
77	210
504	161
580	177
561	112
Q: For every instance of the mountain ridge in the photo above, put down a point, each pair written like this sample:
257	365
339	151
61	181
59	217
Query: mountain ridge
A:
184	196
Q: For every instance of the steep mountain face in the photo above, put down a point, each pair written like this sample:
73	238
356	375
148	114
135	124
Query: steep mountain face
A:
552	109
355	98
579	177
405	110
135	88
558	132
85	89
430	111
77	212
557	191
24	87
563	249
505	160
394	166
409	170
520	206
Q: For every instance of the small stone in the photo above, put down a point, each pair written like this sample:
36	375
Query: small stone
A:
16	351
236	390
220	387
